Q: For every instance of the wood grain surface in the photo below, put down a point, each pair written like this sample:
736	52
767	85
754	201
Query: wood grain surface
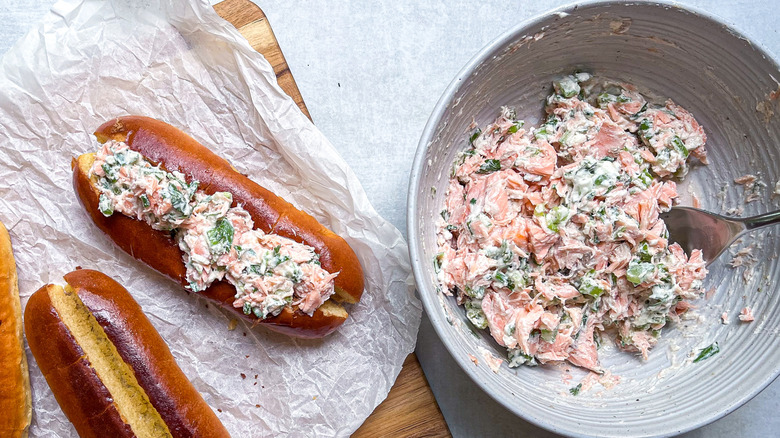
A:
410	409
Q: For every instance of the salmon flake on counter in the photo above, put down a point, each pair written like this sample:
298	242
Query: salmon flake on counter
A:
551	238
218	241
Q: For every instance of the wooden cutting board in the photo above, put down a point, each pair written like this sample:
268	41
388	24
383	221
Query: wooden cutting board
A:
410	409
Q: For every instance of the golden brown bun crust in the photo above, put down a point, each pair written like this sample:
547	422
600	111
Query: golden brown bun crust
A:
164	144
79	392
15	403
74	382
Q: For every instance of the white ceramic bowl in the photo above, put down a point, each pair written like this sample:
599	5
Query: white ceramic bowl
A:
727	82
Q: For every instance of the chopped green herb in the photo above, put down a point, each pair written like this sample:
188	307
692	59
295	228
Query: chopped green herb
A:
645	127
678	143
144	201
256	269
221	237
504	280
575	390
475	136
490	166
473	201
605	99
105	205
644	252
707	352
437	262
516	127
645	178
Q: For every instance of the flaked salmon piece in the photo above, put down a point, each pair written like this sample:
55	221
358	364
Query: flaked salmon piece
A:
539	159
603	232
660	118
470	166
555	351
682	307
496	199
583	353
553	289
570	253
475	190
746	315
517	232
455	204
667	194
631	107
619	257
647	156
498	314
628	163
526	320
549	321
693	134
608	141
515	185
541	240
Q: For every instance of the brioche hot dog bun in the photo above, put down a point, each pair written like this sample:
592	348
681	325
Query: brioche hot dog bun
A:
173	150
109	369
15	403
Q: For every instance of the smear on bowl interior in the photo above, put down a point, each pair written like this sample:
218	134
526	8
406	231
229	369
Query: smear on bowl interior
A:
551	237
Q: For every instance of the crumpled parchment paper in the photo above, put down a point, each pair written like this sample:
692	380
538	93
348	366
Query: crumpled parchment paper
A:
178	61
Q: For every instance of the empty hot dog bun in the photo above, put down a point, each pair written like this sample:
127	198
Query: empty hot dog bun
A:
109	369
15	404
171	150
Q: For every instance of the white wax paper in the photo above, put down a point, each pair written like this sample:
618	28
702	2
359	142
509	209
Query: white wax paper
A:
179	62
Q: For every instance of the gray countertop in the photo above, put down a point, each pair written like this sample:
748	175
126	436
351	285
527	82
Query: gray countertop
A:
370	73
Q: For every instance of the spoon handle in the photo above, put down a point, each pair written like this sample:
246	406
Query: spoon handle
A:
762	220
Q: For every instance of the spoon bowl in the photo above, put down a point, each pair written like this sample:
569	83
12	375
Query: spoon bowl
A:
712	233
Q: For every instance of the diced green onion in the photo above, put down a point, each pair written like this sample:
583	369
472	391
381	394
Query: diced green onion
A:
639	272
680	146
707	352
105	206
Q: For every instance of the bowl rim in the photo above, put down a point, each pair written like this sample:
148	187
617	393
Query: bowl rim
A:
429	298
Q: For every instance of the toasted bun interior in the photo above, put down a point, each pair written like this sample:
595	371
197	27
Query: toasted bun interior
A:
130	399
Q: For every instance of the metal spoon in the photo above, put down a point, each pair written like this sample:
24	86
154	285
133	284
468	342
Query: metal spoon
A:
711	233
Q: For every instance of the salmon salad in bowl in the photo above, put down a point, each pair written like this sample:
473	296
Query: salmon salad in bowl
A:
550	236
534	220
